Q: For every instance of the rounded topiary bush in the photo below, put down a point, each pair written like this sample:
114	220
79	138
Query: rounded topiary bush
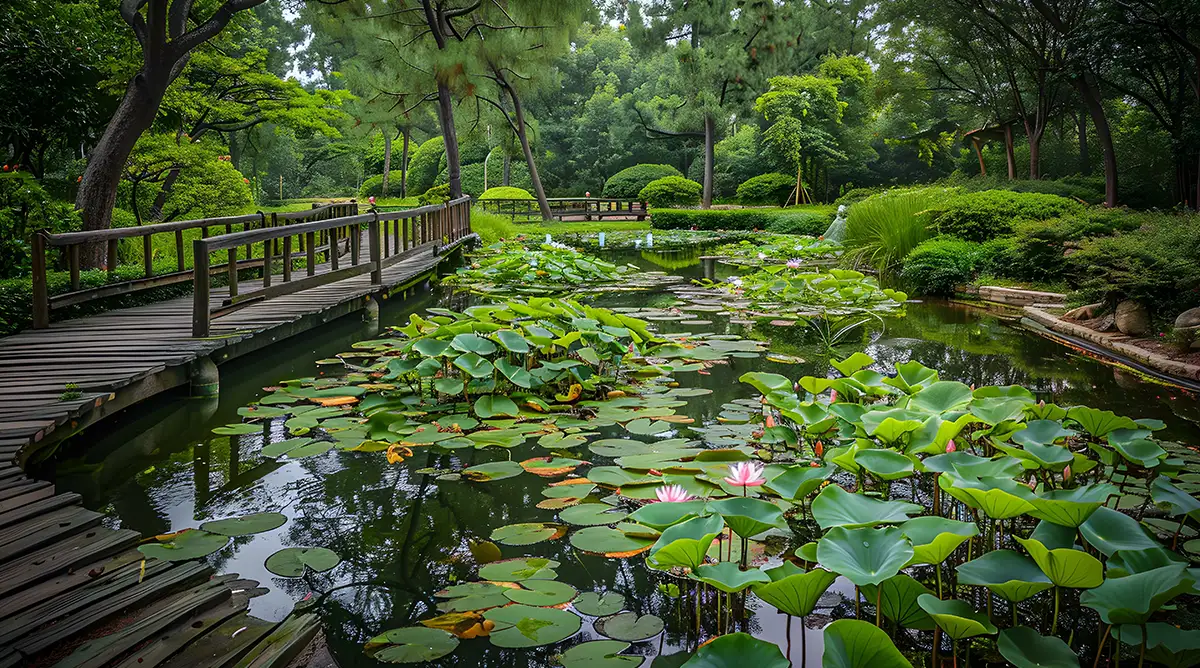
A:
506	192
435	195
671	191
374	185
988	214
938	265
766	189
627	183
423	165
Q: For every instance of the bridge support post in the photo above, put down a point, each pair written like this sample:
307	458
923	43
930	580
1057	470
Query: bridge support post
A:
371	309
204	378
708	265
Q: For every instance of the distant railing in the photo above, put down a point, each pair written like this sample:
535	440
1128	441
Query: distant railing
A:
73	245
391	237
589	208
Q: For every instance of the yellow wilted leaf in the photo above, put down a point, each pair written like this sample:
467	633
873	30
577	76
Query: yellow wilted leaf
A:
458	623
572	394
334	401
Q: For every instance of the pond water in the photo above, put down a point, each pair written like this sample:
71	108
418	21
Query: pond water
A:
402	535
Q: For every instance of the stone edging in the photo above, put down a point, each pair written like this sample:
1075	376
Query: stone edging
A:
1014	296
1107	341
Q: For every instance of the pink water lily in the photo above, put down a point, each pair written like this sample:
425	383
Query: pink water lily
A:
950	447
1067	472
833	396
745	474
793	263
672	494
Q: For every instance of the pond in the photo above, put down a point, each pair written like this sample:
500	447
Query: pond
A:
403	534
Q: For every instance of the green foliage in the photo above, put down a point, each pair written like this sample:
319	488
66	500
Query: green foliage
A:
938	265
472	177
981	216
24	208
627	183
423	164
435	195
374	185
810	220
771	189
505	192
513	267
491	227
882	229
671	191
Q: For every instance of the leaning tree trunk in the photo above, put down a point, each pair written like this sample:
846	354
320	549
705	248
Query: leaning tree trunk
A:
1010	154
160	200
1089	90
446	119
1085	158
709	147
538	190
404	166
387	160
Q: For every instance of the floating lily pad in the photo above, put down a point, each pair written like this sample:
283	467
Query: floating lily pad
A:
246	524
549	467
493	471
737	650
600	654
599	604
544	593
472	596
520	569
528	626
591	514
190	544
238	429
414	644
280	448
291	561
628	626
609	542
527	533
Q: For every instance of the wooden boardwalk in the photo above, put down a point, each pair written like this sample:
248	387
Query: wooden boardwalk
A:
76	594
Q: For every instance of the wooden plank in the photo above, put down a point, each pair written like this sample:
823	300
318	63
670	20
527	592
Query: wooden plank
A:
223	645
284	644
64	556
27	536
179	636
38	508
26	487
72	578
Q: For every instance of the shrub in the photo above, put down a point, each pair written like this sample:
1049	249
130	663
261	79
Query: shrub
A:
775	220
435	195
374	185
423	165
812	222
937	266
883	229
471	177
627	183
25	207
980	216
856	195
767	189
506	192
492	227
671	191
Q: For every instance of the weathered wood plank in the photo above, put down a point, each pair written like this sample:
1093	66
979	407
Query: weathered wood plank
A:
72	578
223	645
63	556
283	644
174	640
27	536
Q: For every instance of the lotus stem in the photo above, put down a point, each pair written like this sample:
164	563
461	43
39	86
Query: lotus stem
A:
1100	648
954	651
1054	623
697	613
878	606
1142	651
857	603
788	635
1014	614
803	643
1178	529
937	568
937	643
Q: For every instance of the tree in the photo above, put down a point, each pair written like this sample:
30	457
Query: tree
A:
162	31
802	111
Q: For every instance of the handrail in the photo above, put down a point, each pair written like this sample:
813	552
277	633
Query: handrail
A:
588	207
72	245
391	237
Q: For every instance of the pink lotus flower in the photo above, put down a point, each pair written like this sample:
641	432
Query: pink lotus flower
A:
832	396
793	263
819	449
950	447
745	474
1067	472
672	494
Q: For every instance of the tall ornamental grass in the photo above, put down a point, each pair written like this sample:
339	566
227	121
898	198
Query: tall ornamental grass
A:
883	228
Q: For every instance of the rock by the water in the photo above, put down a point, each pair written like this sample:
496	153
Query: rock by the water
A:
1189	318
1085	312
1105	323
1132	318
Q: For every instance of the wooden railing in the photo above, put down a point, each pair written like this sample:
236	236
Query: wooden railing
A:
590	208
391	237
72	245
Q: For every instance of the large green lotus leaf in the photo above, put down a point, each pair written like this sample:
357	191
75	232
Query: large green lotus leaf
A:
853	363
519	570
850	643
728	577
1133	598
835	507
526	533
1045	411
892	430
957	619
662	515
1165	644
1012	576
239	429
797	482
872	420
431	347
493	471
897	597
473	343
608	541
767	383
191	544
600	654
529	626
474	365
1054	536
1099	423
544	593
612	476
1024	647
1071	507
246	524
966	465
280	448
995	410
864	556
1005	392
998	498
599	604
911	376
796	594
426	435
591	514
629	627
310	449
1139	561
290	562
1111	530
472	596
738	650
884	464
942	396
489	406
515	374
1066	567
512	341
622	447
1143	452
747	516
1041	432
1171	498
685	544
647	427
414	644
1053	457
935	538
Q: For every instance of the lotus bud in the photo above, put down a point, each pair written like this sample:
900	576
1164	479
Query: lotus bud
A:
770	421
832	396
819	448
1067	472
950	447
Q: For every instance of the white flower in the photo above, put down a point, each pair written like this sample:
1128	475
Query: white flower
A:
793	263
762	256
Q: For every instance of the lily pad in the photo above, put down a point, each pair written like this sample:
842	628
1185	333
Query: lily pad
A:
414	644
956	618
493	471
738	650
543	593
238	429
629	627
835	507
864	556
609	542
290	562
728	577
529	626
1025	648
591	514
527	533
520	569
600	654
599	604
246	524
190	544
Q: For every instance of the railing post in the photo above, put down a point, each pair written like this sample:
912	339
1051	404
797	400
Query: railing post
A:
41	295
333	249
147	255
73	264
310	251
179	264
200	288
405	225
356	242
374	244
112	257
268	254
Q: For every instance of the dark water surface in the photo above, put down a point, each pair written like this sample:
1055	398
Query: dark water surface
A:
403	536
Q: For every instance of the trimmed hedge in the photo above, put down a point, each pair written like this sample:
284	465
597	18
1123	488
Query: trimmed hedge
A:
374	185
627	183
766	189
811	221
937	266
671	191
506	192
423	164
980	216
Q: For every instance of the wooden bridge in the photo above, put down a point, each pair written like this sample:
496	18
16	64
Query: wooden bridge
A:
569	208
76	594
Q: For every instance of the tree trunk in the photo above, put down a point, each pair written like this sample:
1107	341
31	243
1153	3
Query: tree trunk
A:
404	166
1089	90
1009	153
507	169
98	190
538	190
1035	155
1085	159
387	160
446	118
160	200
235	151
709	145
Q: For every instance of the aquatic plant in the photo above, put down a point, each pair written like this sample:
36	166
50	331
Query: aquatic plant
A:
513	267
772	249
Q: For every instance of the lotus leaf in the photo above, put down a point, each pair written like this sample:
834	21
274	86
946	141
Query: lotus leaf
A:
1064	566
529	626
864	556
1133	598
600	654
1170	497
609	542
414	644
544	593
747	516
629	627
519	569
472	596
912	376
1111	531
935	538
884	464
728	577
186	545
835	507
940	397
1099	423
998	498
489	406
599	604
1165	644
290	562
493	471
797	482
527	534
685	544
1012	576
897	597
246	524
239	429
1026	648
1070	507
795	594
737	650
591	514
957	619
850	643
662	515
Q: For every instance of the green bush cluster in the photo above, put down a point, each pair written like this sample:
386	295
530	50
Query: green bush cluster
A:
374	185
471	177
984	215
803	220
423	165
771	189
627	183
939	265
435	195
671	191
506	192
24	208
492	227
